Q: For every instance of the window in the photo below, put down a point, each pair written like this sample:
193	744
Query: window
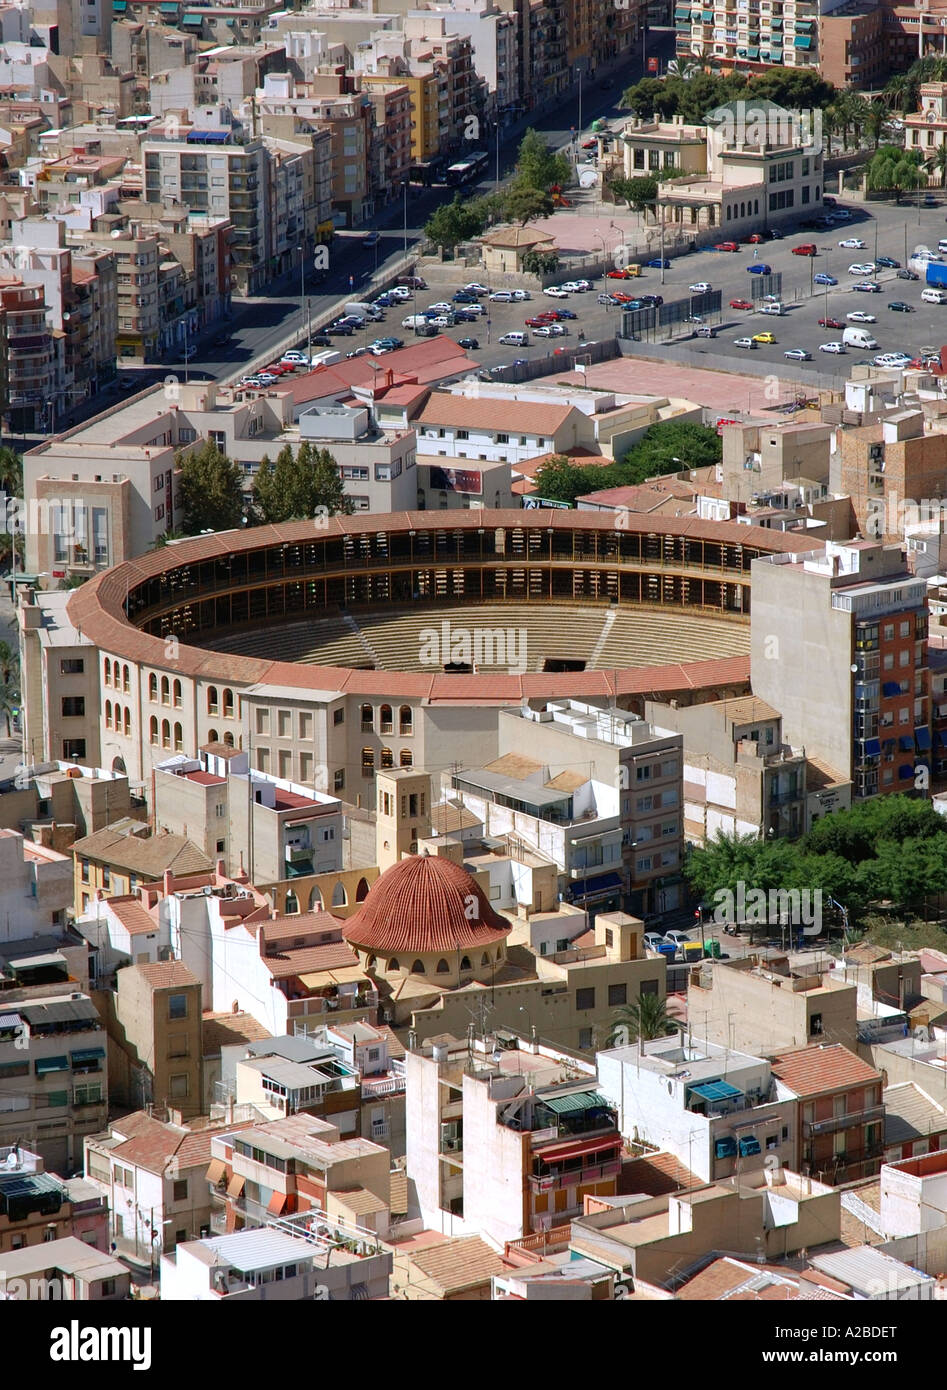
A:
815	1025
338	717
72	666
88	1094
179	1190
73	706
387	758
368	762
407	757
584	999
617	995
387	725
179	1086
585	1039
338	780
648	987
368	719
73	749
178	1045
177	1006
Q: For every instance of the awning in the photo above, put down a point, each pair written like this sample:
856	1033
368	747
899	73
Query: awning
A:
216	1171
169	6
749	1146
725	1148
277	1204
193	19
236	1185
682	14
716	1090
776	24
89	1054
36	962
49	1064
803	23
906	743
922	737
584	888
905	771
119	6
752	52
802	41
872	748
582	1100
575	1148
891	688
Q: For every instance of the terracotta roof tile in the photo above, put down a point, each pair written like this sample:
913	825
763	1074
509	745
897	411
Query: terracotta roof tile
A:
654	1175
133	916
810	1070
478	412
423	904
308	960
453	1266
166	974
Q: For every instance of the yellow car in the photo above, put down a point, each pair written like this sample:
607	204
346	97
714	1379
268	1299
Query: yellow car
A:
763	338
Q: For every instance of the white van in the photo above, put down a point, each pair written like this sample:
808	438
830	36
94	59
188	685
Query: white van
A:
326	358
859	338
515	339
364	311
415	321
773	307
931	296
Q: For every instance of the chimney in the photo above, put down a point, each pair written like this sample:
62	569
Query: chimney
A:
168	883
533	1039
220	869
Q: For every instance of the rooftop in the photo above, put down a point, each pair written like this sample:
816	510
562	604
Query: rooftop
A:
808	1071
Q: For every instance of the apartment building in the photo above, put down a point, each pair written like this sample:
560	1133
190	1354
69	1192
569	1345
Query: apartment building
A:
753	37
116	860
229	180
78	1272
34	363
892	472
598	793
378	1057
52	1098
764	1004
157	1013
740	776
280	1077
152	1175
505	1139
854	48
287	1167
291	1259
840	1111
758	459
222	24
722	1113
295	833
35	893
36	1206
494	48
839	644
59	678
387	71
392	145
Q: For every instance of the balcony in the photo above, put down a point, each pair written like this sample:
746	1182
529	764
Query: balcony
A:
837	1122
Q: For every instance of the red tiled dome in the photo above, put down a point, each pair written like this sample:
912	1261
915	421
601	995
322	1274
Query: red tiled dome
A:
423	904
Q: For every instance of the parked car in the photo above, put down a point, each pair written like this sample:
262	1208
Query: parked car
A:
754	239
471	344
700	287
653	940
555	292
343	330
899	307
867	287
892	359
764	338
562	314
464	297
824	279
502	296
744	343
888	262
608	299
907	275
832	347
858	317
773	234
575	286
475	288
831	323
549	330
861	268
807	248
623	273
515	339
656	300
852	243
294	359
741	304
761	268
658	264
402	293
798	355
727	246
537	321
676	937
441	307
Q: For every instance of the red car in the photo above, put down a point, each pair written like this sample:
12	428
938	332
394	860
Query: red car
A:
538	321
278	369
589	144
622	297
741	304
831	323
620	275
806	249
754	239
727	246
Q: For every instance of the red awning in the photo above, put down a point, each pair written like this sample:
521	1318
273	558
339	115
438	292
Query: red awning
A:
577	1148
276	1204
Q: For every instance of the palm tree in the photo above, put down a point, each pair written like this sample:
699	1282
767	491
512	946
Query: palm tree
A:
677	68
11	472
875	123
641	1021
938	162
896	92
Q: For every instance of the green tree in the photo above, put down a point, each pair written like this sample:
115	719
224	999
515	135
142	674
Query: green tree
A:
894	169
939	164
896	92
641	1021
11	472
560	480
538	165
299	485
640	193
875	122
211	490
523	204
8	544
452	223
173	534
541	262
669	447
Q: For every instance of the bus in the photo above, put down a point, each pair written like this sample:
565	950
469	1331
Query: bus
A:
468	170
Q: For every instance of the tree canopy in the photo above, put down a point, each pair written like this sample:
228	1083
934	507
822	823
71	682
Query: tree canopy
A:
299	485
667	447
893	168
210	490
454	222
692	94
522	204
538	166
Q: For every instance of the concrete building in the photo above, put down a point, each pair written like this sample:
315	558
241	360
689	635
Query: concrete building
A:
757	459
211	800
35	893
721	1112
839	645
750	38
766	1005
295	1075
505	1139
892	471
52	1098
853	46
75	1271
60	687
37	1206
157	1013
840	1110
287	1260
115	861
740	776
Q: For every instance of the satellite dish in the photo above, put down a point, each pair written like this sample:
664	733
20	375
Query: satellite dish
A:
12	1159
588	178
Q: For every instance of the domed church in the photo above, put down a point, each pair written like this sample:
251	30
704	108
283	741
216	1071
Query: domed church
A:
427	917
